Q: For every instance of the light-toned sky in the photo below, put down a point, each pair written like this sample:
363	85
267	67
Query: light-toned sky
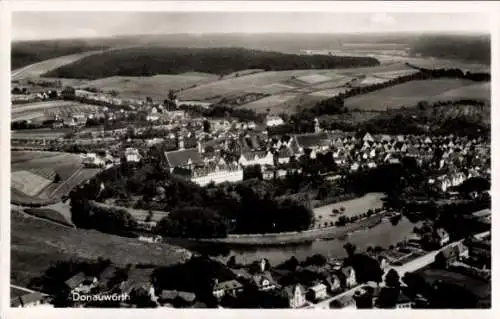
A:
47	25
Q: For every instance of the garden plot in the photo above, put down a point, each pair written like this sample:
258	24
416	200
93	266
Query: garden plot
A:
269	102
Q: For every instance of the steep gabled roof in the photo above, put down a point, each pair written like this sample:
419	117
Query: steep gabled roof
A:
181	158
313	140
76	280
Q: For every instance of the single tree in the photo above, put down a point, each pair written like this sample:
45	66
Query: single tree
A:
350	249
392	279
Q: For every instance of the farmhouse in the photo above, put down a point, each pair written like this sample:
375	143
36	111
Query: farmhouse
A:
272	121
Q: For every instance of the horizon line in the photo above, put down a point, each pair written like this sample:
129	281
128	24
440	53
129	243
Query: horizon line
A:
357	33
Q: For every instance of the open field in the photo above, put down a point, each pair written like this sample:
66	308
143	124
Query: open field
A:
29	183
370	80
36	244
269	102
43	110
49	214
394	74
480	91
42	167
434	63
314	78
352	208
37	106
406	94
37	69
156	87
138	214
38	134
272	82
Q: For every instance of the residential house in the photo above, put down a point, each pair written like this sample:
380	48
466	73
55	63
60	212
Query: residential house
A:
317	142
333	283
274	121
444	237
93	160
34	299
295	295
228	287
264	281
153	117
284	154
262	158
81	283
179	298
349	276
139	279
454	253
132	155
318	292
368	138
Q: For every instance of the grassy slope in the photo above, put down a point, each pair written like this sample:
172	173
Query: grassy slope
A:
35	244
406	94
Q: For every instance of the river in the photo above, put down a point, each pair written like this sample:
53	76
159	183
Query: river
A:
383	234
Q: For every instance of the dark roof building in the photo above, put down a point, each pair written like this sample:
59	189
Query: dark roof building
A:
313	140
183	158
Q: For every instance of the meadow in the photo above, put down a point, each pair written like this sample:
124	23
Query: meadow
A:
406	94
156	87
41	111
40	68
479	91
33	176
351	207
36	244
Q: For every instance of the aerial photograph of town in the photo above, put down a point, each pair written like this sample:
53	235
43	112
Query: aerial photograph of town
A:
306	160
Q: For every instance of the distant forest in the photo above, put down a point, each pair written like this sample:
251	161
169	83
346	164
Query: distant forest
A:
26	53
461	47
473	48
149	61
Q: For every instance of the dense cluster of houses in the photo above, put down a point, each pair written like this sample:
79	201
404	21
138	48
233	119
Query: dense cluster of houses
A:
224	155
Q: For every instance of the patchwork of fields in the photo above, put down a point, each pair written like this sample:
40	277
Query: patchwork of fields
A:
34	173
156	87
41	111
407	94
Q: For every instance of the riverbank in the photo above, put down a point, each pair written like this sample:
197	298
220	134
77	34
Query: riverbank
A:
290	238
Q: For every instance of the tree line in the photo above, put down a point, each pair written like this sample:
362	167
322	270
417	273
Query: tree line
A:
213	211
